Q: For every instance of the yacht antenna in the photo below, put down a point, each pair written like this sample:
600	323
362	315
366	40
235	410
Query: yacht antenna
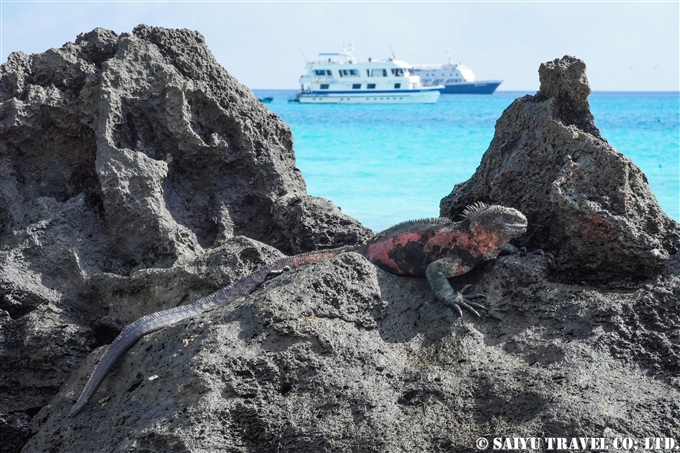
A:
393	57
303	55
347	48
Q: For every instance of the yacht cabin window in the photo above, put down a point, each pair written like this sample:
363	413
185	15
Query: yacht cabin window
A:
349	73
376	72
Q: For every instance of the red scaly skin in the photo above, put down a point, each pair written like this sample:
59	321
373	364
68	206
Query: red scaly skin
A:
409	248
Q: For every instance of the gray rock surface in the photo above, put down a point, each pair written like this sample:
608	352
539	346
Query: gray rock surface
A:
130	168
585	201
335	356
341	356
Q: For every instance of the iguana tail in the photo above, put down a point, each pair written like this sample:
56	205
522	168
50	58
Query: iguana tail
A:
156	321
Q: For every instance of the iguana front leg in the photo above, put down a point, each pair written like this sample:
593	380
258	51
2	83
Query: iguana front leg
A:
438	272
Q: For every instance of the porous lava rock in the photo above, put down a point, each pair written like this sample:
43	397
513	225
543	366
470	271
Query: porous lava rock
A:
342	356
584	200
127	161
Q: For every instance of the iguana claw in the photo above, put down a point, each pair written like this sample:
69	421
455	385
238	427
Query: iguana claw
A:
463	299
548	255
522	251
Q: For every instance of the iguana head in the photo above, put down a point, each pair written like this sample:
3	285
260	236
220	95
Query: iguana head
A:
507	223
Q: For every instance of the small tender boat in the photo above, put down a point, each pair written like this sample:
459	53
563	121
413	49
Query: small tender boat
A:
456	78
337	78
266	100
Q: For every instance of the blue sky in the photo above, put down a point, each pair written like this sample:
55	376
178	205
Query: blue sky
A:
627	46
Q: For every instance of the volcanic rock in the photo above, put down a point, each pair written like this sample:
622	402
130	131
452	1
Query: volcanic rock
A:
334	356
342	356
586	202
132	167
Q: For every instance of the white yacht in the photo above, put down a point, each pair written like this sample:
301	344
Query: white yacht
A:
338	78
456	78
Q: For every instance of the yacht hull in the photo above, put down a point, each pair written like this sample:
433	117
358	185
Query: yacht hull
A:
480	87
374	97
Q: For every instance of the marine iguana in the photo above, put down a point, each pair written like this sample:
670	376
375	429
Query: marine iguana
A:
434	248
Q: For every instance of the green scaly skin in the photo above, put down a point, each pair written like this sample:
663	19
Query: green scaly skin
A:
434	248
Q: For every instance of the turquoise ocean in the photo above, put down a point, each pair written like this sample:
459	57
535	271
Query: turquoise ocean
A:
383	164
